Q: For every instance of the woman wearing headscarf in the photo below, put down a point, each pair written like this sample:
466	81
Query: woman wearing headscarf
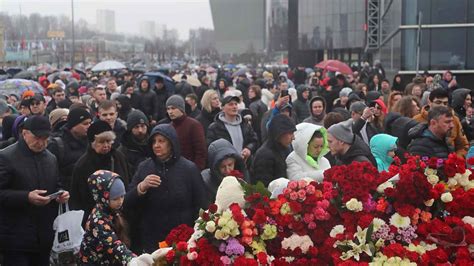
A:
223	160
307	159
317	107
383	147
166	191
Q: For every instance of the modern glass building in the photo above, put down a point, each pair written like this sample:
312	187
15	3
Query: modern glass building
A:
277	25
326	29
387	30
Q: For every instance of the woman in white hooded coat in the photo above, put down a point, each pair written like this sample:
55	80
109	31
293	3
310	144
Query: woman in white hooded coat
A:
307	158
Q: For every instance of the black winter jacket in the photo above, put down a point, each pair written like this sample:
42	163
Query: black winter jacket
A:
206	118
23	226
358	152
81	196
135	152
270	160
176	201
146	101
161	97
424	143
218	130
67	150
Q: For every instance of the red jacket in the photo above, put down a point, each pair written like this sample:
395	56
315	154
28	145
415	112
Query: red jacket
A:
192	141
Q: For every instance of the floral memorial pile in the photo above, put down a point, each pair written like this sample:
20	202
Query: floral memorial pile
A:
418	213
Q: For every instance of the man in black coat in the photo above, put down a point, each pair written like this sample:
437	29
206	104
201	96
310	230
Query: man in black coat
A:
145	99
71	144
135	141
229	125
270	160
430	139
28	173
347	147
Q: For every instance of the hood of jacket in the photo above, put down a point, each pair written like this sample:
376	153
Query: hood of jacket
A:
303	134
380	145
417	131
315	98
99	185
221	117
458	98
280	125
125	102
167	131
219	150
299	92
140	84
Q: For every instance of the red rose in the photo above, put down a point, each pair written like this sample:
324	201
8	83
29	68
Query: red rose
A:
259	217
262	258
213	208
182	246
170	256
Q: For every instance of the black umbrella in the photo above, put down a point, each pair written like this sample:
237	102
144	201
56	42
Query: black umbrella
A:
26	75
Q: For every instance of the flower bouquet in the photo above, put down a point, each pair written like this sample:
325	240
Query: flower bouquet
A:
356	216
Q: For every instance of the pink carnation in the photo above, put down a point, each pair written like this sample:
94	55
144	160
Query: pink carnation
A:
310	190
302	183
293	196
301	194
293	185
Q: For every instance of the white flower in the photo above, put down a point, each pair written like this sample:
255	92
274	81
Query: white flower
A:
399	221
296	241
468	220
429	203
446	197
452	182
378	223
383	186
433	179
338	229
211	226
354	205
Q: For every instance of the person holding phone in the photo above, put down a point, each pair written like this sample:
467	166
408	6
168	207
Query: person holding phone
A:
29	178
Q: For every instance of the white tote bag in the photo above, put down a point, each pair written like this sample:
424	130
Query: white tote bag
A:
68	231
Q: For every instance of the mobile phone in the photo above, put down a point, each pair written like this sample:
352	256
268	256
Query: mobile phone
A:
56	194
454	77
284	93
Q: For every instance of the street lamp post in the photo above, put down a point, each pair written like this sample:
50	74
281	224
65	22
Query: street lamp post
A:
73	36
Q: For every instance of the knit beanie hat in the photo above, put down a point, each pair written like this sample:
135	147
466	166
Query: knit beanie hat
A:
342	131
345	92
76	116
176	101
96	128
56	115
117	189
280	125
136	117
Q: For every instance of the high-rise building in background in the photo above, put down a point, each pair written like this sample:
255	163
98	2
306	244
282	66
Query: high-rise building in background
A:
239	26
148	29
106	20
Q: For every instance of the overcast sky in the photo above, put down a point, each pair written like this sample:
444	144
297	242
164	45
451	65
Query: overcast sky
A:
179	14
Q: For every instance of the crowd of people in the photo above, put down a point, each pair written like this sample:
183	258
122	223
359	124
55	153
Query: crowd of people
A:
140	157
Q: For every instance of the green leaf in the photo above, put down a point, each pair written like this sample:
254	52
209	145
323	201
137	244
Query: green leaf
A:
370	231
